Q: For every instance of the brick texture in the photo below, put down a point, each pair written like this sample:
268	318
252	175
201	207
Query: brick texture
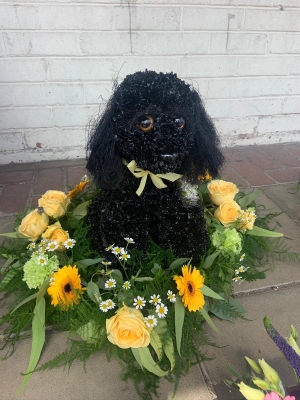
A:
56	71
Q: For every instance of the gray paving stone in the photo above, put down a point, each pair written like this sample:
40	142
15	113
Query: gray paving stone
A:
249	338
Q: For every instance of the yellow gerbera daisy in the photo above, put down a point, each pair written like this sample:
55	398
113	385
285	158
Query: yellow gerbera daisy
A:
189	288
65	287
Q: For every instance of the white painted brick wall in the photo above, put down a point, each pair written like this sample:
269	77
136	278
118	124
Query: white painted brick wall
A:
58	60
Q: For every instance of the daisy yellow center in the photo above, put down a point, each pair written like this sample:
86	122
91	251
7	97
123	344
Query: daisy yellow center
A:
139	302
110	284
150	321
124	256
161	310
118	250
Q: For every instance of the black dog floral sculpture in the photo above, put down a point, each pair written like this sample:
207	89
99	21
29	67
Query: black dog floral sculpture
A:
151	143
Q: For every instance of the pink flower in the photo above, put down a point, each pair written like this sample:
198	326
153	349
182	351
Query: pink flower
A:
274	396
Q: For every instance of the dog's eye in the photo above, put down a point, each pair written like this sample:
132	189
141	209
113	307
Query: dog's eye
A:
146	123
179	122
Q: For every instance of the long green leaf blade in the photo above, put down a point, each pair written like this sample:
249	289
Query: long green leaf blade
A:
208	319
33	296
256	231
179	319
38	339
148	362
210	293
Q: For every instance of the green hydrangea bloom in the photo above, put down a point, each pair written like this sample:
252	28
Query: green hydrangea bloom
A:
35	273
228	241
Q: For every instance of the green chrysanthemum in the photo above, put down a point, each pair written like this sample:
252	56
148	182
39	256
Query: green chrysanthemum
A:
36	273
228	241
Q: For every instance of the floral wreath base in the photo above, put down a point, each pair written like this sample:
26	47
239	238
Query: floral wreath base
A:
152	321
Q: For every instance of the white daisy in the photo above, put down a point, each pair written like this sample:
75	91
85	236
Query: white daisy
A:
129	240
103	306
150	321
240	269
110	304
155	299
242	257
31	246
237	279
118	250
139	302
126	285
124	256
109	247
161	310
171	296
42	260
106	263
51	246
111	283
69	243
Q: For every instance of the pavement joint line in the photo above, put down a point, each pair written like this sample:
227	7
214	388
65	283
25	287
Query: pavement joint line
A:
208	382
264	289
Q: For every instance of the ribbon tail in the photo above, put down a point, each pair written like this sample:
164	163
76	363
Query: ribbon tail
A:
142	185
170	176
157	181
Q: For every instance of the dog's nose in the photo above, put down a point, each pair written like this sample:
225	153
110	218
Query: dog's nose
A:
169	157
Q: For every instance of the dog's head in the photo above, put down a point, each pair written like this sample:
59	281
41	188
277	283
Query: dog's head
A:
159	121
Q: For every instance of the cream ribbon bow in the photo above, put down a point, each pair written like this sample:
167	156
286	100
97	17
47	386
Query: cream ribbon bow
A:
156	179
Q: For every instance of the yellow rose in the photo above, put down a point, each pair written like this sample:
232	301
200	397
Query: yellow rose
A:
247	220
220	191
54	203
228	212
34	224
128	329
55	233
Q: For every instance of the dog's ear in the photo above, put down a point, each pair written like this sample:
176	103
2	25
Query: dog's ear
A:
103	162
205	154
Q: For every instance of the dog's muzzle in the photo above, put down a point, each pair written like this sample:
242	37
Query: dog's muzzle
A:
169	157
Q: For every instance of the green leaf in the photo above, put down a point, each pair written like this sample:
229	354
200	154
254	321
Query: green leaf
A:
208	319
162	330
210	293
88	261
117	276
33	296
248	199
210	259
38	339
232	371
256	231
144	279
155	268
8	277
93	292
7	263
42	291
147	361
156	344
15	235
90	332
177	263
81	210
137	356
179	319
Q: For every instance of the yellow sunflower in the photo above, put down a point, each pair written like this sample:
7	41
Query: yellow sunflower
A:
65	287
189	288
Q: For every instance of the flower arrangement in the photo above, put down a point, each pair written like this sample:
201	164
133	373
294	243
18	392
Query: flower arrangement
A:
147	310
270	386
